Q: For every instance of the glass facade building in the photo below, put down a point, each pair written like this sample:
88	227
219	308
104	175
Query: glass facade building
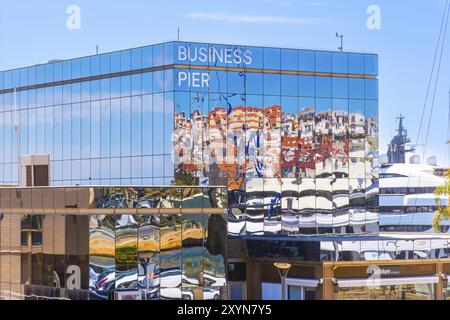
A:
288	137
293	134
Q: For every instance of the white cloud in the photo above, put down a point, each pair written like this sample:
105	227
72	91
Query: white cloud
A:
283	3
229	17
316	4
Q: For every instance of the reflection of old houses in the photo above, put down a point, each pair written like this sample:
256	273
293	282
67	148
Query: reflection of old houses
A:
356	125
234	143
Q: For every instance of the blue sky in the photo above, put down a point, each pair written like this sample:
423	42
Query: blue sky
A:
34	32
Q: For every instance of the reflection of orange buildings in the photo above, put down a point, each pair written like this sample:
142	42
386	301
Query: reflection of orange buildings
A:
210	136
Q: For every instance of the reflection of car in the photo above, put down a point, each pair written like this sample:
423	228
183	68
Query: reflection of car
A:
105	281
211	294
210	280
190	280
126	280
187	295
171	294
150	294
171	277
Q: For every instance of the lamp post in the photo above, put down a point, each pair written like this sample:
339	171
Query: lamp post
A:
283	269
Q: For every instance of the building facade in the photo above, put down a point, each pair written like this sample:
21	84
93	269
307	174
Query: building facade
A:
264	155
113	243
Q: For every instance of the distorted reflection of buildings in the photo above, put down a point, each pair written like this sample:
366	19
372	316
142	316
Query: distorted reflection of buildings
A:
264	154
113	243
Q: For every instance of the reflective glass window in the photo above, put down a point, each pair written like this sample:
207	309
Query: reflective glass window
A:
136	58
254	83
125	60
76	68
356	88
371	89
356	63
289	85
289	59
323	87
340	87
340	62
272	84
272	58
371	64
323	61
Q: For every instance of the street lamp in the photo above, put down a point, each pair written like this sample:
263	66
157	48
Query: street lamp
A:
283	269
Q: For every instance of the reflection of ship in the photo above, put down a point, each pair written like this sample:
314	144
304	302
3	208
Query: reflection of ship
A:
407	201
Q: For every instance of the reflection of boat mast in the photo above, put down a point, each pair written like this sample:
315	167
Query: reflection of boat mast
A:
397	148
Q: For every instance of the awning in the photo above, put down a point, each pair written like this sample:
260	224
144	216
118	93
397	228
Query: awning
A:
310	283
376	282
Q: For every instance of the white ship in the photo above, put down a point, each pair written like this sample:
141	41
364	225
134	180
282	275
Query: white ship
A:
407	200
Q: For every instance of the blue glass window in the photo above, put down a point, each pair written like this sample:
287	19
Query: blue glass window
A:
136	58
115	87
356	88
136	84
95	65
289	85
236	82
356	63
219	81
272	58
340	62
289	59
306	86
40	71
306	60
323	87
115	62
147	82
257	57
125	60
371	64
24	77
323	61
340	87
85	67
272	83
31	75
105	63
158	55
76	68
168	53
254	83
125	86
371	89
147	57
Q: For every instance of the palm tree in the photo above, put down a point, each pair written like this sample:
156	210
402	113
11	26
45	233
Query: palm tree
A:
443	211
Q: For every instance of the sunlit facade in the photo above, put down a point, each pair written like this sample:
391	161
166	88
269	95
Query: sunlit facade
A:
196	166
117	243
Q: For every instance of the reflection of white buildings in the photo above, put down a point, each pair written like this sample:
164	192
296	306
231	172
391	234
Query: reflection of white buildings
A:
356	124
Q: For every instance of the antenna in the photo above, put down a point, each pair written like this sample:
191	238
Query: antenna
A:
341	48
178	34
96	50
